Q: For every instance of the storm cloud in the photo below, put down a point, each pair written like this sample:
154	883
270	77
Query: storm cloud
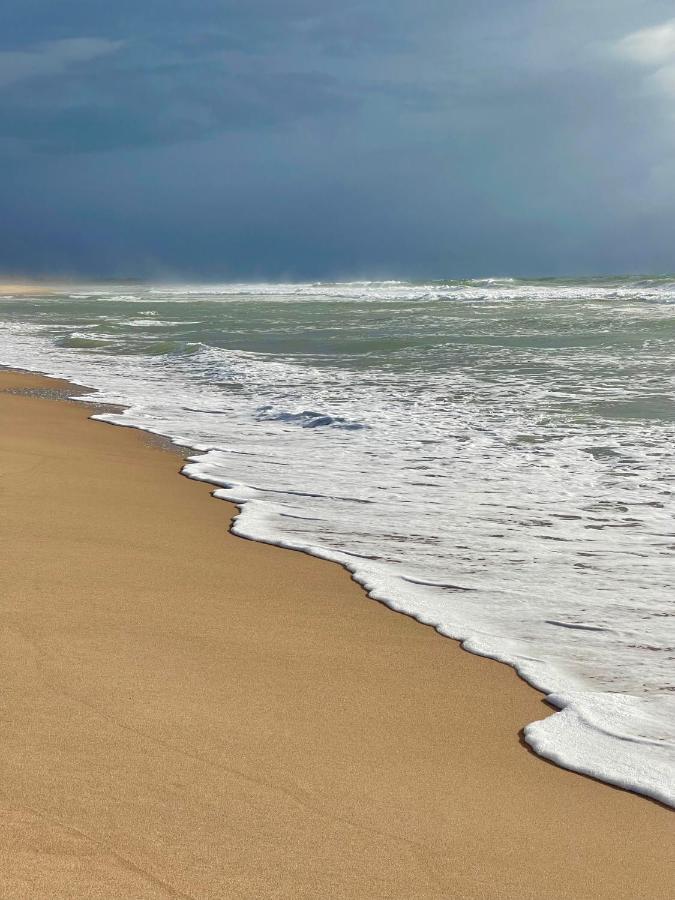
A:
303	139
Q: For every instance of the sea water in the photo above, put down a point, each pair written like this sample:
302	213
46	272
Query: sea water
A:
493	457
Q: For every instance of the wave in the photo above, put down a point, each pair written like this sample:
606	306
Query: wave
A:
305	419
80	341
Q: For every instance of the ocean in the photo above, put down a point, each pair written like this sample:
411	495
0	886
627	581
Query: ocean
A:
494	457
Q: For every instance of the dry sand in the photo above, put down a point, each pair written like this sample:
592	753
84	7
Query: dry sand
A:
188	714
25	288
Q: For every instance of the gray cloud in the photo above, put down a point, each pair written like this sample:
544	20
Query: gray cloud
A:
51	58
127	103
171	80
289	136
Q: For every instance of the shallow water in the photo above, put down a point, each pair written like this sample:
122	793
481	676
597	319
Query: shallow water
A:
494	457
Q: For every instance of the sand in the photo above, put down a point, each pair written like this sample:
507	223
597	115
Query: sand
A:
25	288
188	714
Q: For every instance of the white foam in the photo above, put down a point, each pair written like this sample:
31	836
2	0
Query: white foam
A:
597	735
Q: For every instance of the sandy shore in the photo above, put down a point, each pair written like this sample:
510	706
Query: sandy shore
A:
188	714
25	288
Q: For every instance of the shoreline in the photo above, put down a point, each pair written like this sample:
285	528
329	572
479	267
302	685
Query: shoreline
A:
529	734
443	709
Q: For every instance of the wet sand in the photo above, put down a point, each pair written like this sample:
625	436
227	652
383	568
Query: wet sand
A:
188	714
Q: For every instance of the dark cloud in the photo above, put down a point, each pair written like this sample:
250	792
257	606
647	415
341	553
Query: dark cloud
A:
138	74
125	100
285	137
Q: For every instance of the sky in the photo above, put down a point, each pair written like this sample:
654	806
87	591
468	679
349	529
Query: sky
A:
289	139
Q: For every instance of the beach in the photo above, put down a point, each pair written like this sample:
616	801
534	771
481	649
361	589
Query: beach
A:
190	714
24	288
